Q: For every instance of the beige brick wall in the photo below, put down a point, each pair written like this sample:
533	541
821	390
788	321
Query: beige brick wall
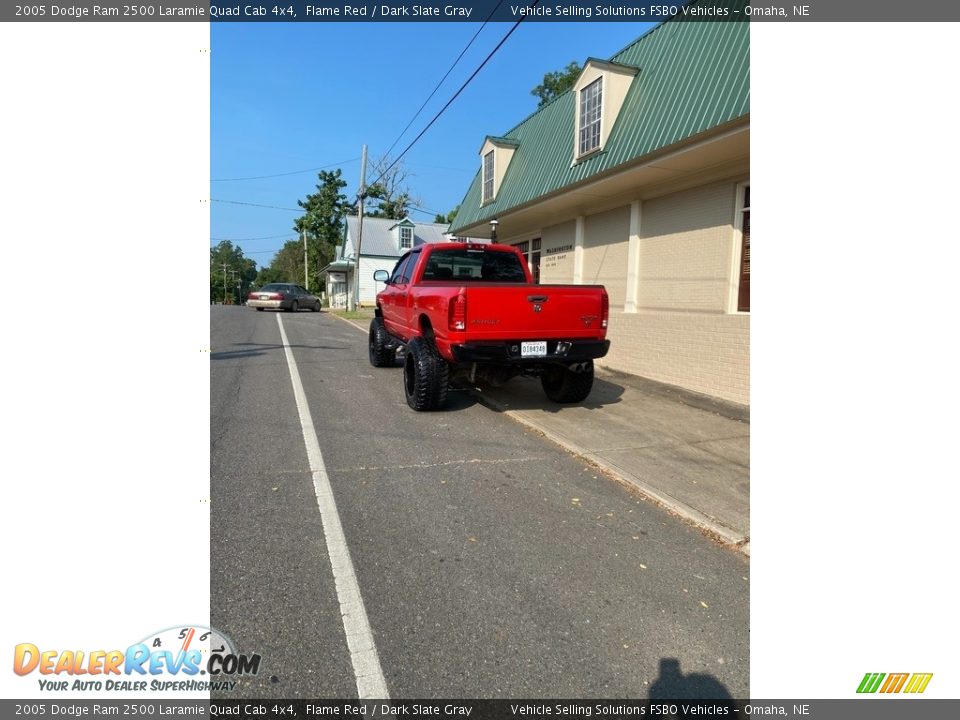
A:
707	353
605	240
685	249
683	333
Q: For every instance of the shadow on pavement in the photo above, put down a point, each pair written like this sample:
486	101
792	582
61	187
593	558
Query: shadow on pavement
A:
527	394
257	349
459	399
672	686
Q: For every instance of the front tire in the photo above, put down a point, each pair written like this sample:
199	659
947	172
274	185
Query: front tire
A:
380	354
426	376
294	306
563	385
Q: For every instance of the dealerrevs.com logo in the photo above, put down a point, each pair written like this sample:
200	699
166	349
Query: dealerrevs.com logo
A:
894	683
183	659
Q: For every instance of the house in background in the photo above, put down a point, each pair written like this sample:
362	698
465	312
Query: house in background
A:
384	241
638	178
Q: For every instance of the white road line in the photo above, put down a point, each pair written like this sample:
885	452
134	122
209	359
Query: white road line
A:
363	652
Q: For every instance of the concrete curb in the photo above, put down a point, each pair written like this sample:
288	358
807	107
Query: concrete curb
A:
721	533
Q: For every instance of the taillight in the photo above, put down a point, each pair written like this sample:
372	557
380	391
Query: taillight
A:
604	310
279	296
458	313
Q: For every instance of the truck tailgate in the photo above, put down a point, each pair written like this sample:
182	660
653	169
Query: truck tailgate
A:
531	312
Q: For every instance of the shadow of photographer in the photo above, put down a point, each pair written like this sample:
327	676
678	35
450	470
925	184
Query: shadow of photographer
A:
682	692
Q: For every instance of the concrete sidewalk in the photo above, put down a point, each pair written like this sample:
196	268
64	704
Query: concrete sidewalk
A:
687	452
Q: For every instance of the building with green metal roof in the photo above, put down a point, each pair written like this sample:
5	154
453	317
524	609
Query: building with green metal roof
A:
638	178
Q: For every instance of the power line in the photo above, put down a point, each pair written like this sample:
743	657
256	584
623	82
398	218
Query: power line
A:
417	138
428	211
292	172
264	252
456	94
422	132
446	75
274	207
265	237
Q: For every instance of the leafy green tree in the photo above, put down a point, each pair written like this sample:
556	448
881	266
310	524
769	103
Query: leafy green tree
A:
448	218
323	223
270	274
556	83
286	266
231	274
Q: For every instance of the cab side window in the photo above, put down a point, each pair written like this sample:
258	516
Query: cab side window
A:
398	270
406	271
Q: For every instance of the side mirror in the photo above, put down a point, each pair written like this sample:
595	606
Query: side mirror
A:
381	276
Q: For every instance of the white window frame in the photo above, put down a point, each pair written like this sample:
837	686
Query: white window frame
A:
737	254
590	127
528	248
489	176
406	240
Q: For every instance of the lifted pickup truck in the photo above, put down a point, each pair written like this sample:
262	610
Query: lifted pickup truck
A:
472	311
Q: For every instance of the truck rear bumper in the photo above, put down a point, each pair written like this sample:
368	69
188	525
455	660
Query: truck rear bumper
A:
509	352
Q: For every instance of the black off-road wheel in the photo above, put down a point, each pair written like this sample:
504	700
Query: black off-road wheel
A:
380	354
563	385
426	376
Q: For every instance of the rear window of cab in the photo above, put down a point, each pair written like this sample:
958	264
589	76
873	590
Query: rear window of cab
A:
474	264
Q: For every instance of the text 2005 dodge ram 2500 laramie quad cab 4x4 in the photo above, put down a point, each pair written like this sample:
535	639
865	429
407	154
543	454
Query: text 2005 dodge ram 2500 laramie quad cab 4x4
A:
473	311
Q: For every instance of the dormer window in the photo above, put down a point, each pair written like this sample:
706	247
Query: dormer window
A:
488	177
403	234
601	91
591	98
495	157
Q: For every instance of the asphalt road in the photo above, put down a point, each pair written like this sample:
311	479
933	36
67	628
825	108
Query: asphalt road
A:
492	564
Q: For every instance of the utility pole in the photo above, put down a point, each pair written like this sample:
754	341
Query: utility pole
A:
224	283
306	272
235	276
355	296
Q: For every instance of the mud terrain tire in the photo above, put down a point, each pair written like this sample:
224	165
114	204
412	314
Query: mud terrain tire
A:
426	376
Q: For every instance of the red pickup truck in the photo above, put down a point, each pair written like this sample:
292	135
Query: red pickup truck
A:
472	311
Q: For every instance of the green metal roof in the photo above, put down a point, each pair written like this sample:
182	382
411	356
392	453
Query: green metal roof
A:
499	141
694	76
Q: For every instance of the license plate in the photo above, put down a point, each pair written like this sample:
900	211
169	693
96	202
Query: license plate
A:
264	297
533	349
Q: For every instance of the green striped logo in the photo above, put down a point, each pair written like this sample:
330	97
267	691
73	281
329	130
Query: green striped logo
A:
894	683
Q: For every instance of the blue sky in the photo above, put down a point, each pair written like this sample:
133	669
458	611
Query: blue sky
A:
293	96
